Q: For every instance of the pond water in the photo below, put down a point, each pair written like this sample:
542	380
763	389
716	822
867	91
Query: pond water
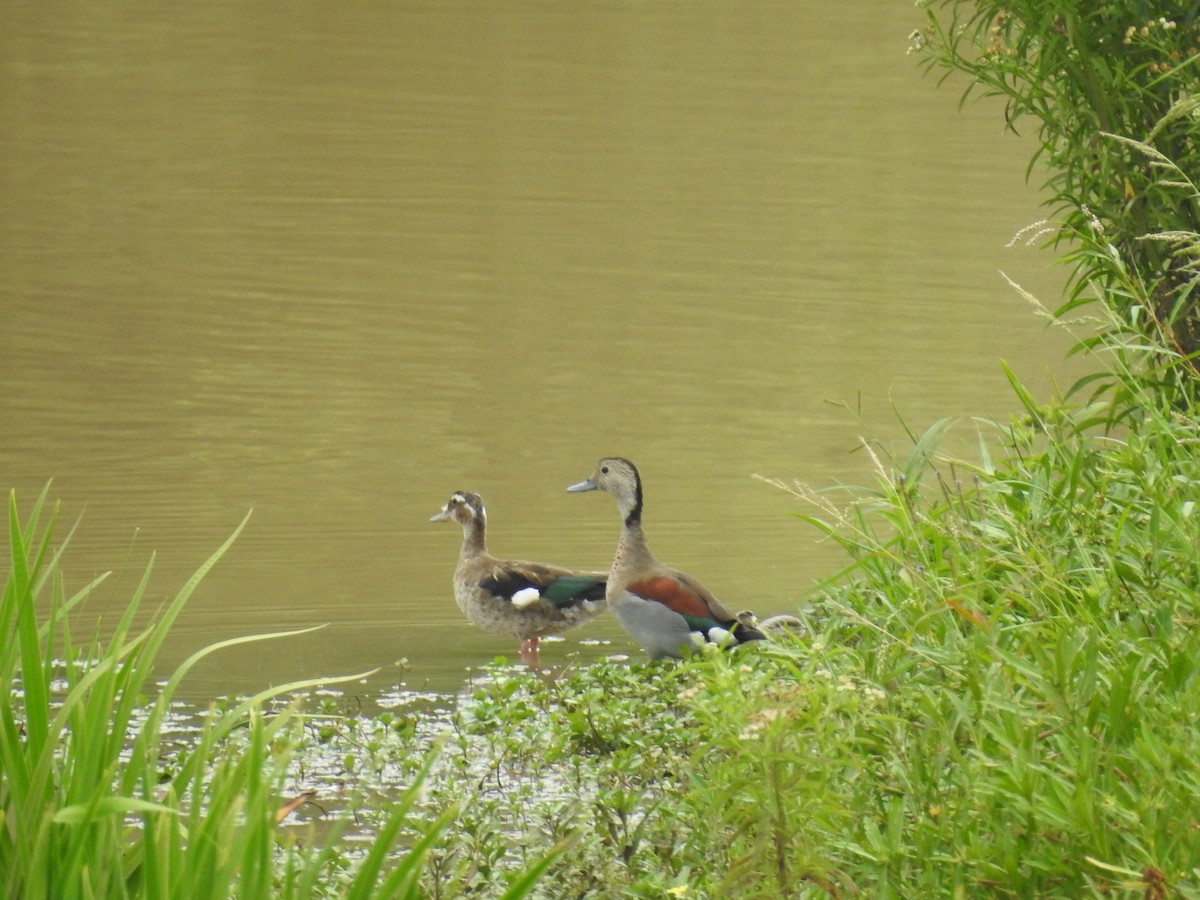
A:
330	264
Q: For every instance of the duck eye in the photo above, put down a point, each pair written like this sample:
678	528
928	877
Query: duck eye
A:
604	470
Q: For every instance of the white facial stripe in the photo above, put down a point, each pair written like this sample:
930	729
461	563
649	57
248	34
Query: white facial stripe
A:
460	500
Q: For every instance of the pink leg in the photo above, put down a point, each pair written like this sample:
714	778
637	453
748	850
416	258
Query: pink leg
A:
529	651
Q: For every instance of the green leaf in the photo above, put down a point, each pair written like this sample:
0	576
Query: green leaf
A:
83	813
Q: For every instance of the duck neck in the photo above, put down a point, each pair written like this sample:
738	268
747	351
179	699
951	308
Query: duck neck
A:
630	505
631	548
474	538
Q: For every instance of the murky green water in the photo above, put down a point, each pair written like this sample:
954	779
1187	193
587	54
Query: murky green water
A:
331	264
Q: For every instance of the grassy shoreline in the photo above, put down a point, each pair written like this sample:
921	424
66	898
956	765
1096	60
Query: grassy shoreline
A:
999	695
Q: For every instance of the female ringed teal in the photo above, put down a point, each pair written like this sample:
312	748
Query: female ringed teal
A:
506	596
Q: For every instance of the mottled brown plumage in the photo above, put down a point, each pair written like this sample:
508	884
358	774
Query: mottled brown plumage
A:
516	597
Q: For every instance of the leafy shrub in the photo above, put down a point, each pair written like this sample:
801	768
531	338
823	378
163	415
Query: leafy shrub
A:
1112	91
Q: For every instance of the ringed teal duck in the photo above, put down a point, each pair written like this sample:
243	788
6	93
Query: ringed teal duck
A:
666	611
506	596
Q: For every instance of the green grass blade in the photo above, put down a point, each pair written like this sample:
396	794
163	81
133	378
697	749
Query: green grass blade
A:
400	882
35	678
81	814
525	882
167	618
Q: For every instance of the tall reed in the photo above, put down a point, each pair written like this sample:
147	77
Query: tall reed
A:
90	804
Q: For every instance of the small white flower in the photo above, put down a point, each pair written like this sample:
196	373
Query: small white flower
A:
691	693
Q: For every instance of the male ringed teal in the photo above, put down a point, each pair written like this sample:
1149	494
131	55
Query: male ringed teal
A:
668	612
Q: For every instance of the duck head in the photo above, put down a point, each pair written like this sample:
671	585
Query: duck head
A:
619	477
464	507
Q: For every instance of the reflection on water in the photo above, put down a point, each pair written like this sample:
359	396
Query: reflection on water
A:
331	265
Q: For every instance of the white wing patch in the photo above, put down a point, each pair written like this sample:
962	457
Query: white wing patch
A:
721	637
526	597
